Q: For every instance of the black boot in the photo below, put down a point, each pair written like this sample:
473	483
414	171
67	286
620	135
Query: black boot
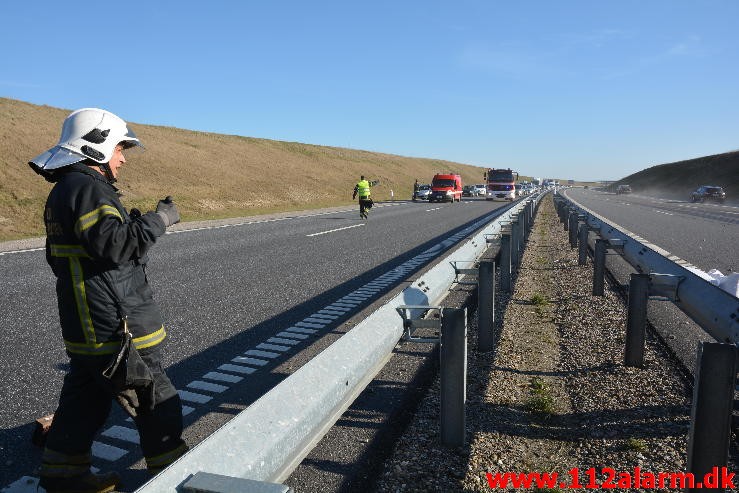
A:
85	483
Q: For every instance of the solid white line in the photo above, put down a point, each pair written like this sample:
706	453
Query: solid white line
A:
337	229
23	251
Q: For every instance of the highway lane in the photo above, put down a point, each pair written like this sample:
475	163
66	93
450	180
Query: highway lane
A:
223	291
704	234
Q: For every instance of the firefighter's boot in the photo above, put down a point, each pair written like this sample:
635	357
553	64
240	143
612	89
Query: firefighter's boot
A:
85	483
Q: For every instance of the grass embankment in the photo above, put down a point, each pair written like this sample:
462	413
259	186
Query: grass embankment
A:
210	175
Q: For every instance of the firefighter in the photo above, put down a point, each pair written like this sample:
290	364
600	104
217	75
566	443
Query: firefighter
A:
415	190
362	189
98	253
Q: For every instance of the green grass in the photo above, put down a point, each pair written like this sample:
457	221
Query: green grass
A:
636	444
541	400
539	300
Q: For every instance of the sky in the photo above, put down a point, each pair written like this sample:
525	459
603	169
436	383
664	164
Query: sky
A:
584	90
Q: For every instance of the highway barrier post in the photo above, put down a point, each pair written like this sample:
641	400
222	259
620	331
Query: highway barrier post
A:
485	305
453	375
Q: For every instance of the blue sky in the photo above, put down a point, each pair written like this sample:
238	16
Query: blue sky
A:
569	89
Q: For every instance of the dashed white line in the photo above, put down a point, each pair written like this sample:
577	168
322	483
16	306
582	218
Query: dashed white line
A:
246	370
334	230
194	397
279	340
222	377
250	361
273	347
210	387
292	335
122	433
107	452
301	330
261	354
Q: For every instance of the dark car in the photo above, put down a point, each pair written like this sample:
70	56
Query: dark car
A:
708	192
468	191
623	189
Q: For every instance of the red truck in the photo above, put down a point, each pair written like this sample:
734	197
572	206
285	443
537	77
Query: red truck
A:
446	188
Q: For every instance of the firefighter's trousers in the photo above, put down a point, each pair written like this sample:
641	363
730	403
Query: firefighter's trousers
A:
84	405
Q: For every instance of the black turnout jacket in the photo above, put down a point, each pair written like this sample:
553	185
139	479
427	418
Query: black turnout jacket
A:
98	254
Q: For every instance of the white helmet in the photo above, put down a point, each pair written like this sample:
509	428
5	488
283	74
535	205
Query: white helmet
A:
87	133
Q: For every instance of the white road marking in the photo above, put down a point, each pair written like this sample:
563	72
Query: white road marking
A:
194	397
279	340
293	335
122	433
207	386
238	369
261	354
310	326
301	330
334	230
222	377
107	452
249	361
273	347
25	484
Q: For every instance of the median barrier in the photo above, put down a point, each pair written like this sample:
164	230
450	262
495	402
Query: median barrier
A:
266	441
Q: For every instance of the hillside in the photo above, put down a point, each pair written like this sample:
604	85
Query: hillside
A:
209	175
677	180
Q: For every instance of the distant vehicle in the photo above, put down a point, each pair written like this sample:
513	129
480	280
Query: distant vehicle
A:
501	184
481	189
446	187
623	189
708	192
468	191
423	192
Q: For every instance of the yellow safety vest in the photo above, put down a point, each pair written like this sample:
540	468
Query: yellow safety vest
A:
363	189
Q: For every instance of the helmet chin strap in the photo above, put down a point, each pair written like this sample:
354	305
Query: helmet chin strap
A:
107	172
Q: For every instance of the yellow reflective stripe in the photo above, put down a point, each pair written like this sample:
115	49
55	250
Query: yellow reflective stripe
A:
150	340
68	251
92	349
80	297
165	459
91	218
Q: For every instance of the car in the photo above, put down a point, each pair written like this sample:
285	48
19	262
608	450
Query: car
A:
708	192
480	190
623	189
423	192
468	191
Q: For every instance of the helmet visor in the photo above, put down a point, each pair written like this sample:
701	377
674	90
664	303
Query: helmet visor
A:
130	140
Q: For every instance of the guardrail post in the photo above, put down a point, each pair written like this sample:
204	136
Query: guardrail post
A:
582	237
505	262
636	324
599	267
485	305
453	375
515	242
566	218
573	229
713	400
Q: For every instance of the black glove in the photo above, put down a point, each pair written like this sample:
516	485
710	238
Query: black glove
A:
167	210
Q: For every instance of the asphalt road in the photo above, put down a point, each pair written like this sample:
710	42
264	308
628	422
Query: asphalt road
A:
225	292
704	234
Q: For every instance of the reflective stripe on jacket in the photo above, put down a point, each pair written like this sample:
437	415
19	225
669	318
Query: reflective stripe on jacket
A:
98	254
363	189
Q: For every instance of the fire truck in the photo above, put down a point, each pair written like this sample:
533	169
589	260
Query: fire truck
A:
501	184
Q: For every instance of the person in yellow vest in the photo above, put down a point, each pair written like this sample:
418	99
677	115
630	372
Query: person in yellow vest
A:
362	190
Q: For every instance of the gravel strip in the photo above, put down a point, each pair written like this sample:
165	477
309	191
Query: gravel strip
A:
554	394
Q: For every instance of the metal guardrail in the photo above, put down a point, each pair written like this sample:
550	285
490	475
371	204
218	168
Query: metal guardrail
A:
714	309
266	441
667	277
